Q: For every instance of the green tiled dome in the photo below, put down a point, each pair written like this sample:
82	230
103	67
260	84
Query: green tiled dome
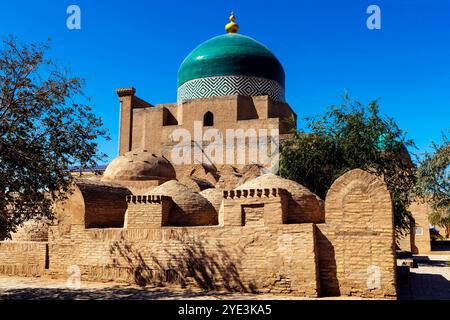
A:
231	54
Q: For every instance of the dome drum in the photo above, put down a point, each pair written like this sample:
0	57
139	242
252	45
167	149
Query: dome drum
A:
230	86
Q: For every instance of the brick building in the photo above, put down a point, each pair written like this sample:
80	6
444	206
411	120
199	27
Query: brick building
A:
218	225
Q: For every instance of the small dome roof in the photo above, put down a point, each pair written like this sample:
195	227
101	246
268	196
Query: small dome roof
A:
214	196
304	205
270	180
190	208
139	165
196	184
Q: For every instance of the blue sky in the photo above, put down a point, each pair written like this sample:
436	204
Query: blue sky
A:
324	46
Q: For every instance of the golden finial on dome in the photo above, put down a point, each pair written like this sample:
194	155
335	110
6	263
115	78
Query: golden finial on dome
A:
232	27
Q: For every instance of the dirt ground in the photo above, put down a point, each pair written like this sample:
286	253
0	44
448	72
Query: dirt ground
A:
44	288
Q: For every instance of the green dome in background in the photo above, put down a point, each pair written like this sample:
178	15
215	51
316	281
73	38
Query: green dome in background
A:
382	143
231	64
231	54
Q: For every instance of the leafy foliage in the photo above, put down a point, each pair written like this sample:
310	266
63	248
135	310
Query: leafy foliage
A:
346	137
433	184
43	131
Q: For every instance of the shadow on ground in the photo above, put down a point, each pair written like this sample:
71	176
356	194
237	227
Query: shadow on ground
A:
440	246
427	282
110	293
425	261
423	286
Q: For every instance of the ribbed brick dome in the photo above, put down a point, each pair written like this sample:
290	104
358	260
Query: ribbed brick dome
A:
139	165
214	196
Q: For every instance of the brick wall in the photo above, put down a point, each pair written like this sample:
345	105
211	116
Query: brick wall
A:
93	203
23	258
143	126
105	204
276	258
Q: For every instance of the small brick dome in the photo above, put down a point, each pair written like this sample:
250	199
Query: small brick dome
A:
139	165
214	196
304	206
189	207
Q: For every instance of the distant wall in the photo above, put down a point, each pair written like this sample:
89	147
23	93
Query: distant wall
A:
418	239
405	242
421	241
32	230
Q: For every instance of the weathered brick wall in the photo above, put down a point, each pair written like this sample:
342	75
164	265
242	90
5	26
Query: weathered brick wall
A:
32	230
356	245
303	206
405	241
276	258
146	127
22	258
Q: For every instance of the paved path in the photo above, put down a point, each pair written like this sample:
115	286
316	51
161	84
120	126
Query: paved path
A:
430	281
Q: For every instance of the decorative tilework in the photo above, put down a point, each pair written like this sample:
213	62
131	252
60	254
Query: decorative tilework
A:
229	86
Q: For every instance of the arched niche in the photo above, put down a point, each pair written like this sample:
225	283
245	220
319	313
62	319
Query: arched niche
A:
208	119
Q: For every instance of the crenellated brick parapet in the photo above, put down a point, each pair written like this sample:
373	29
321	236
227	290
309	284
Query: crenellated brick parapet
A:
147	211
251	193
147	199
246	207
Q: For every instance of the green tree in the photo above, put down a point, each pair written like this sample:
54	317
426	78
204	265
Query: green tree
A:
433	184
346	137
43	131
